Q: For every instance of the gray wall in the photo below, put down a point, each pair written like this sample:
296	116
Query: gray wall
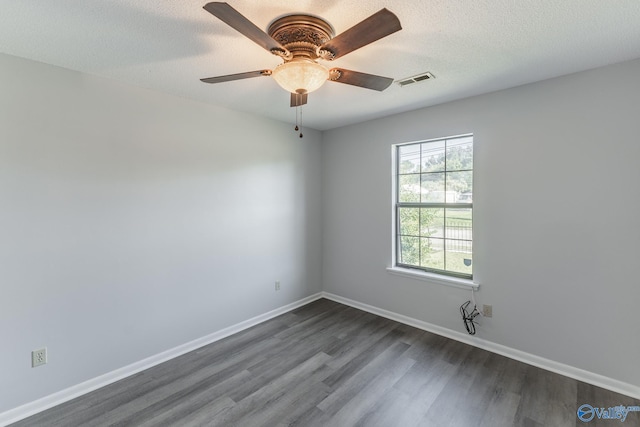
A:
556	210
132	222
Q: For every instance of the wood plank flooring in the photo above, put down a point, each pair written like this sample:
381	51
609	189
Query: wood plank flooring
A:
327	364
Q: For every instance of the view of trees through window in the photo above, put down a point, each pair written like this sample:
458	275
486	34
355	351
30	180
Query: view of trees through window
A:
434	205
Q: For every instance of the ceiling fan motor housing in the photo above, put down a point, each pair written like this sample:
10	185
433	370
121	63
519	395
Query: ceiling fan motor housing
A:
301	35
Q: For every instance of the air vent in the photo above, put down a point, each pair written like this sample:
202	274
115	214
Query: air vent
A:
416	79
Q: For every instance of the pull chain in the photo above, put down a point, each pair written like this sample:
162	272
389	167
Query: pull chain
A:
298	113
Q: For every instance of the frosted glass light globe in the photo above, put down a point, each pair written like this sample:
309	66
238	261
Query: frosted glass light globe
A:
300	75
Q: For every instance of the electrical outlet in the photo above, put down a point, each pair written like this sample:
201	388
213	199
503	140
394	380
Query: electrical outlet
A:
487	310
39	357
277	285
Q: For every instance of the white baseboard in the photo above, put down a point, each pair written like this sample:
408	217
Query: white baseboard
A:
24	411
530	359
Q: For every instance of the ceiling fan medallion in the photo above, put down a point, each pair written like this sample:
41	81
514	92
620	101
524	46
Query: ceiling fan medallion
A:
301	34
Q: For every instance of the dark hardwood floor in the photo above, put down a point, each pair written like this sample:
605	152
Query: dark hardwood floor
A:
327	364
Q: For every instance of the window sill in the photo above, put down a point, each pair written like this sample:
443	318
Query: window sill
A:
434	278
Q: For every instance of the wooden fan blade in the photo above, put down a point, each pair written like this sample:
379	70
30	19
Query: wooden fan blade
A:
375	27
236	20
355	78
298	99
239	76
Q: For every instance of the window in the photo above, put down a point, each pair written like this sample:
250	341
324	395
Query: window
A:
434	206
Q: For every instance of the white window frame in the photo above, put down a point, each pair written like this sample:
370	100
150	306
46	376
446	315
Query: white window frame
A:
437	277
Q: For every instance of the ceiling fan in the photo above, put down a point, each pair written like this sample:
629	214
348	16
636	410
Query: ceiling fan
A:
301	40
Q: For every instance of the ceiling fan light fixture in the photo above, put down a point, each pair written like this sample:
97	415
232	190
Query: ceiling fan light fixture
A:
300	75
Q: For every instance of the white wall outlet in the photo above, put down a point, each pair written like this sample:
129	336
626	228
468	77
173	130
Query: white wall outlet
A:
39	357
487	310
278	285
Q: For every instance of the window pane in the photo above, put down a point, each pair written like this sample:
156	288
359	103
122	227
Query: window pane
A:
433	155
459	224
460	154
432	222
409	159
458	183
458	256
409	188
409	252
432	188
459	233
409	220
432	253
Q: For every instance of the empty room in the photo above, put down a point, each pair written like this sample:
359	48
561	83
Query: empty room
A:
380	213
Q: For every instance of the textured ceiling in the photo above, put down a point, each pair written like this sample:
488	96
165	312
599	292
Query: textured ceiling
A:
471	46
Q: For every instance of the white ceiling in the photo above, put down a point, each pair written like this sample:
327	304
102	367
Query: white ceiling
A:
471	46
